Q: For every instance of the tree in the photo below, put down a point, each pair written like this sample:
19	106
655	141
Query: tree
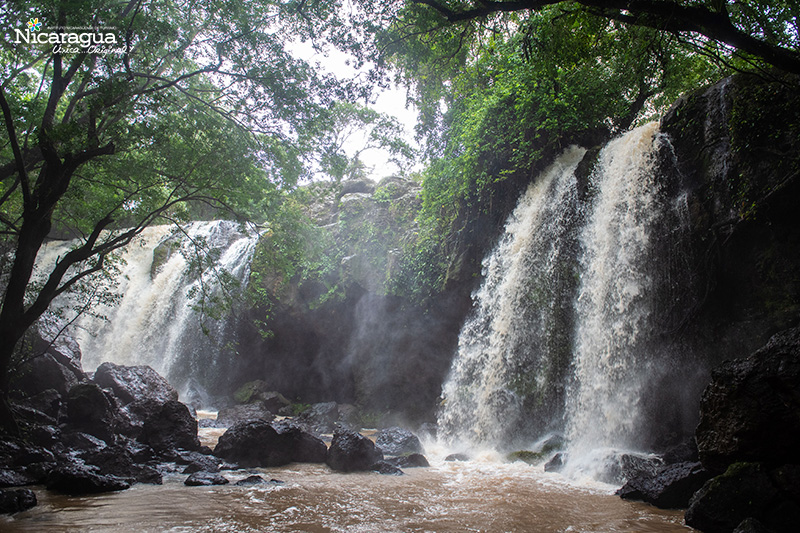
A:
342	133
764	30
185	101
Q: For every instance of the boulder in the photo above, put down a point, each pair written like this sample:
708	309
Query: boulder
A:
322	417
351	452
618	468
671	488
556	464
12	477
204	479
397	441
134	383
75	479
409	461
251	480
457	457
90	410
15	501
259	391
229	416
45	372
170	428
751	409
304	447
253	443
258	443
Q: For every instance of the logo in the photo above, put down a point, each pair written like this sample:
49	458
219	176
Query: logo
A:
69	40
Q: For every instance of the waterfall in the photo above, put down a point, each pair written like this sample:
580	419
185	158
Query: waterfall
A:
168	291
568	329
616	298
510	354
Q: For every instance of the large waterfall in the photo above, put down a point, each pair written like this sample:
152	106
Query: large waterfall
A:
564	335
167	296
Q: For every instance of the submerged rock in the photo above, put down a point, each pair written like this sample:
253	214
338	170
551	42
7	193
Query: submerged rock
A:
251	480
350	452
556	464
386	468
409	461
17	500
397	441
204	479
457	457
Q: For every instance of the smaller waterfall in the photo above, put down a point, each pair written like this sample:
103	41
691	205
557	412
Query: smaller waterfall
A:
512	351
169	289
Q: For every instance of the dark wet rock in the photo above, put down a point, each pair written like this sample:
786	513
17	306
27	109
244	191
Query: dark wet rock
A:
409	461
75	479
304	447
17	500
745	490
685	452
258	443
386	468
322	417
170	428
351	452
397	441
671	488
49	402
47	371
751	409
253	443
120	462
204	479
134	383
620	467
251	480
457	457
90	410
260	392
79	441
10	477
204	466
751	525
229	416
44	435
556	464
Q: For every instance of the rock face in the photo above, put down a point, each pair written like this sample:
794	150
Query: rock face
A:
748	491
352	452
258	443
751	409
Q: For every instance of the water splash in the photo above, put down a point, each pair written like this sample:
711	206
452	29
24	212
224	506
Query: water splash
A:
510	355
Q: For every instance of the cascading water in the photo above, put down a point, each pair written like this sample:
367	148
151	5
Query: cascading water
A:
165	313
564	335
511	357
615	302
